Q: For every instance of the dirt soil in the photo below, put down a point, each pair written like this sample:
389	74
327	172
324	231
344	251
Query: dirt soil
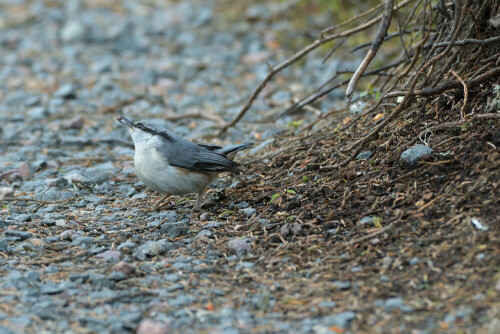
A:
386	229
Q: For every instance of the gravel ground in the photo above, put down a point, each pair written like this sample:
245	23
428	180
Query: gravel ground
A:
81	252
284	247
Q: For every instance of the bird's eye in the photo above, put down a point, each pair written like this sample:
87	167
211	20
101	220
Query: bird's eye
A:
139	125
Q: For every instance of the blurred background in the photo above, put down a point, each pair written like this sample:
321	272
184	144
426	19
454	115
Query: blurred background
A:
194	63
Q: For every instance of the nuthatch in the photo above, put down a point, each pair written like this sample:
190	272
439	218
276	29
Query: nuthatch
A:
172	165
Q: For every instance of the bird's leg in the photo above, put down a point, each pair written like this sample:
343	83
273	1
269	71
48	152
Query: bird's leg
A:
196	206
209	200
159	203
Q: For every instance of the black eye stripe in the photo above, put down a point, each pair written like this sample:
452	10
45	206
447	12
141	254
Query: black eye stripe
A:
144	127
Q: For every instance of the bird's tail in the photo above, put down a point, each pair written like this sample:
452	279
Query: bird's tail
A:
230	151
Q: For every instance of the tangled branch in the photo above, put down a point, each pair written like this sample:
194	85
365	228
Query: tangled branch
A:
446	47
324	38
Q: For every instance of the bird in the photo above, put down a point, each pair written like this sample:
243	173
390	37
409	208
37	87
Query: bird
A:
172	165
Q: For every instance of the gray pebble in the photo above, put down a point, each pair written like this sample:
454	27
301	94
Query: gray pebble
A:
53	194
153	248
356	269
395	303
127	244
205	216
83	241
175	229
364	155
27	217
32	276
480	256
366	220
239	245
181	300
242	205
66	91
110	255
326	304
52	239
206	233
4	245
72	31
99	174
164	217
176	287
80	278
392	303
117	276
32	101
245	265
182	265
51	269
52	289
249	212
18	235
342	319
212	225
342	285
21	323
38	113
384	279
140	196
172	277
387	262
411	156
100	281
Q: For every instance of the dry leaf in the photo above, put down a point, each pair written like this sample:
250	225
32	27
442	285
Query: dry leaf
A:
209	306
336	329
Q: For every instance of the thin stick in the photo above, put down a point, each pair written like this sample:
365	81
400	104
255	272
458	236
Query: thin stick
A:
335	27
379	38
28	199
466	93
450	84
447	125
389	36
196	114
369	236
469	41
334	49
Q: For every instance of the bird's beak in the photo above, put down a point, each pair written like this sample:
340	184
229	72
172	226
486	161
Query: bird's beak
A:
125	121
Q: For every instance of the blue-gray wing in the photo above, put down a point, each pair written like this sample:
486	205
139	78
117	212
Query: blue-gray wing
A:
180	152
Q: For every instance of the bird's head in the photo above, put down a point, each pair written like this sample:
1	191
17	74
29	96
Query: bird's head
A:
139	131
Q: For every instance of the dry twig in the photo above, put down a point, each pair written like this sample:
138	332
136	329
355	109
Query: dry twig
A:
379	38
466	93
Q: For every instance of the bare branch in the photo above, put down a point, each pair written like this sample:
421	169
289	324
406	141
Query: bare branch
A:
323	39
470	41
466	93
457	24
450	85
379	38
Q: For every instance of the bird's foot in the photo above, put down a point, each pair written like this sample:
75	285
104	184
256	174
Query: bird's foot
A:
159	204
